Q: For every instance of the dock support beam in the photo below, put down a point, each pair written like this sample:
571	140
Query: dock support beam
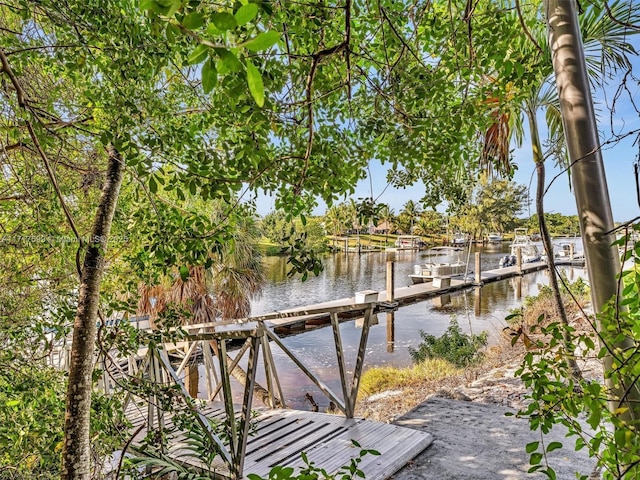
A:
478	269
390	277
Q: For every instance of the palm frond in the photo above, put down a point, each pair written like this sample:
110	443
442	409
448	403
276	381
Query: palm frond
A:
606	38
495	152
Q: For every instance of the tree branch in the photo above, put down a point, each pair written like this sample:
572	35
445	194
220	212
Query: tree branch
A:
526	30
22	102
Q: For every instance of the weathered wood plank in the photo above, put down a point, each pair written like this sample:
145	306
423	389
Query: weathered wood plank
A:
281	435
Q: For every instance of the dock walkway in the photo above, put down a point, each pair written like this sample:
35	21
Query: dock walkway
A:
317	313
281	436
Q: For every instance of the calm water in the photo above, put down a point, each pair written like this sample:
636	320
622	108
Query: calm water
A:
476	309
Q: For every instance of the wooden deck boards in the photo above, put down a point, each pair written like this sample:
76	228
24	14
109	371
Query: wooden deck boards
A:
281	436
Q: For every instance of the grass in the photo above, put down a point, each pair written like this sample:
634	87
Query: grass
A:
269	248
380	379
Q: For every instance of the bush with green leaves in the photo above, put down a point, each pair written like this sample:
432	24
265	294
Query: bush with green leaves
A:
599	415
32	408
456	347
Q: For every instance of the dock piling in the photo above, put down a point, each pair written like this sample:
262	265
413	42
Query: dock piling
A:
390	276
478	269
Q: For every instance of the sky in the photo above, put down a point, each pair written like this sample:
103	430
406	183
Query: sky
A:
618	157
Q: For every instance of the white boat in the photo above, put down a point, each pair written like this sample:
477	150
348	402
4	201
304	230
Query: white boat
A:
528	250
428	271
460	238
494	237
565	253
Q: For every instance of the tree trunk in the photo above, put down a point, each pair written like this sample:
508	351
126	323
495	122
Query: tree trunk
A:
589	182
76	449
546	238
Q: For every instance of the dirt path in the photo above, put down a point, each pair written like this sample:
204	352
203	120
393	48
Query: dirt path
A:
473	439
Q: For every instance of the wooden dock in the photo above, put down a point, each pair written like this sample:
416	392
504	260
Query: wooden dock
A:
281	436
317	314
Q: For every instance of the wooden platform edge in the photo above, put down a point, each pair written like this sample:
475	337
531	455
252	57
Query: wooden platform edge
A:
424	440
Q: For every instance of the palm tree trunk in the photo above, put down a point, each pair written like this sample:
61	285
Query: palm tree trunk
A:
590	186
546	238
76	448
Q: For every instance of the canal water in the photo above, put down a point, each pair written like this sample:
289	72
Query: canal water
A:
476	310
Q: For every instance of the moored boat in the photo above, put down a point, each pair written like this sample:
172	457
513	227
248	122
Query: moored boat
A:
565	253
494	237
427	272
460	239
528	250
409	242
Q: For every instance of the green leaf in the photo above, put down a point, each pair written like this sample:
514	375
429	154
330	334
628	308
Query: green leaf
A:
589	343
184	273
224	21
193	20
161	7
246	13
535	458
532	447
594	418
209	76
198	54
147	5
263	41
256	87
153	186
173	7
12	403
228	61
554	446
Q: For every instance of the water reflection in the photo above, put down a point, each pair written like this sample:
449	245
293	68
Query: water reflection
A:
476	309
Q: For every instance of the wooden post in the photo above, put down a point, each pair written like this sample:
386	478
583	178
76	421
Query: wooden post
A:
391	331
390	278
478	269
519	260
192	378
571	250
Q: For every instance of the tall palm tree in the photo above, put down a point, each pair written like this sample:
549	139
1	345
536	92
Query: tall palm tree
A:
411	211
387	215
334	221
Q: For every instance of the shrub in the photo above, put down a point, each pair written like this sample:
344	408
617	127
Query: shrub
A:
454	346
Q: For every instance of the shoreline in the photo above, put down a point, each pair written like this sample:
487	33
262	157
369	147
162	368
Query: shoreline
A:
474	439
